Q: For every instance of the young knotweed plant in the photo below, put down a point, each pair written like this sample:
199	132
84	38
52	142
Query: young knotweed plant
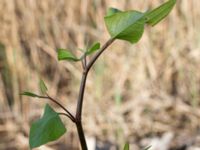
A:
122	25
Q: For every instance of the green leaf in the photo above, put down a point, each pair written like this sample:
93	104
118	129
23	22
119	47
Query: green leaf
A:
29	94
43	87
66	55
48	128
93	48
127	25
156	15
126	146
147	148
112	11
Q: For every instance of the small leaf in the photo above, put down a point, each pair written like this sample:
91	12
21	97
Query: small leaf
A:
126	146
127	25
93	48
66	55
112	11
43	87
48	128
147	148
29	94
156	15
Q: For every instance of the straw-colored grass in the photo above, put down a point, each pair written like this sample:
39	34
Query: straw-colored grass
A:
134	92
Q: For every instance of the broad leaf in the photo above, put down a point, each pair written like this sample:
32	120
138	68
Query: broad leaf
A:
43	87
127	25
48	128
112	11
66	55
156	15
93	48
126	146
29	94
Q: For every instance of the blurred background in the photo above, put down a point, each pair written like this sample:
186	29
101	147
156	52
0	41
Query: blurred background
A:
146	94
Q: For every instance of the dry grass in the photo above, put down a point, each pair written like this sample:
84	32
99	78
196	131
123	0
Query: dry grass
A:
134	92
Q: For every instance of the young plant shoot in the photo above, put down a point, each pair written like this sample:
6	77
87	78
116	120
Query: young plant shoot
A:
121	25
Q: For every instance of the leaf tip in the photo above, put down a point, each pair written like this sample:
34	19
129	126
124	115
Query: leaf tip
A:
43	87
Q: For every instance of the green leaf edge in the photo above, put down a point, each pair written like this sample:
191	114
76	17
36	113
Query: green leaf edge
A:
46	106
111	11
151	18
93	48
30	94
43	87
141	17
68	55
144	17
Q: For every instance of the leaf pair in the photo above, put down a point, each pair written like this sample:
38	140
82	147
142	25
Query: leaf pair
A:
67	55
129	25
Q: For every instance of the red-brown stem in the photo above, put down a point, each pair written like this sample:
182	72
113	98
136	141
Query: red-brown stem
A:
82	91
81	136
69	115
84	78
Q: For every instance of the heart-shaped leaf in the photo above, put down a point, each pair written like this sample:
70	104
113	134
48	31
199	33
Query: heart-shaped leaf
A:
126	146
29	94
156	15
127	25
93	48
43	87
66	55
48	128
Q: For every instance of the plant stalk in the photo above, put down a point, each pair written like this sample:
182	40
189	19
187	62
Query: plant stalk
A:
82	91
84	77
81	135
